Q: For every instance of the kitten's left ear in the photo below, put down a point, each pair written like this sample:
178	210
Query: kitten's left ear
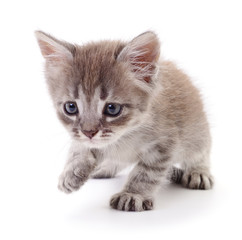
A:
52	49
142	53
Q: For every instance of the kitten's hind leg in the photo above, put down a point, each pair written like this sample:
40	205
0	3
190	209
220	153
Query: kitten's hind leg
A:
198	178
196	173
195	179
175	175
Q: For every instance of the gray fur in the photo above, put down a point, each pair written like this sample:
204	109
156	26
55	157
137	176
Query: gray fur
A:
162	121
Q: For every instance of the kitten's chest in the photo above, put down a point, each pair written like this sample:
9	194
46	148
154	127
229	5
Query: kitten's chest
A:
122	153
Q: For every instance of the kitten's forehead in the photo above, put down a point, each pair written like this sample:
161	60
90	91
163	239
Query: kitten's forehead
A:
93	104
94	68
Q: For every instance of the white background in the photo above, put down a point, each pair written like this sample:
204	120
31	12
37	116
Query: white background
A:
202	37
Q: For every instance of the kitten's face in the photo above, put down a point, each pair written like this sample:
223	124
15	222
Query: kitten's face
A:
99	95
99	101
99	121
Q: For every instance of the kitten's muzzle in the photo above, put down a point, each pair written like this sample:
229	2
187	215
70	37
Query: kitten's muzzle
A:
90	134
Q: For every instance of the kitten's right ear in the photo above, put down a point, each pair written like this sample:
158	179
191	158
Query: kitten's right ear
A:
52	49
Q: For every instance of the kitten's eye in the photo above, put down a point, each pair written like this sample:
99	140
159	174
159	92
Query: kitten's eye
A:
112	109
70	108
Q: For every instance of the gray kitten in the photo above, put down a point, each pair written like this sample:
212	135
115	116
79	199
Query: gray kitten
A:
123	105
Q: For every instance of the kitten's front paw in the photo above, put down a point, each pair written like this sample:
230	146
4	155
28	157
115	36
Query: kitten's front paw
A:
71	180
125	201
196	180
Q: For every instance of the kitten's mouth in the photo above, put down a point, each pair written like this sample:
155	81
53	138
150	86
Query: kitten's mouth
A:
102	140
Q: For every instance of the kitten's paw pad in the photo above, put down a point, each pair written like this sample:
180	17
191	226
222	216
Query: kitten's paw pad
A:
70	181
130	202
197	180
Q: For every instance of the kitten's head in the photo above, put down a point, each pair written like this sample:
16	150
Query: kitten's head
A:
101	90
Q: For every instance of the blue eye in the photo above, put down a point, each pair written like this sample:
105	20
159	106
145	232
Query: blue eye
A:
70	108
112	109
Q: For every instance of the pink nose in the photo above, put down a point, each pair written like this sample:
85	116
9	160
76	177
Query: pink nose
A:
90	134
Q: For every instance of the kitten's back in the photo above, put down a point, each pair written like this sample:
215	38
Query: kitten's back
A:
180	106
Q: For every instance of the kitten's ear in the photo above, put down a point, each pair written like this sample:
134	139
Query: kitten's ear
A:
53	50
142	53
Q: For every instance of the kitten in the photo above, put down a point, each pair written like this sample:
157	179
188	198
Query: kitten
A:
123	105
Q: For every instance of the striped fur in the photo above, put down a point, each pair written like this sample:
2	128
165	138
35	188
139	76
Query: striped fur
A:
161	122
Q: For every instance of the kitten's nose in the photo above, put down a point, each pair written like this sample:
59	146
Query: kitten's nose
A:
90	133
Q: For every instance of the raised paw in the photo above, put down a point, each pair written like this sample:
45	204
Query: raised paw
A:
71	180
130	202
196	180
